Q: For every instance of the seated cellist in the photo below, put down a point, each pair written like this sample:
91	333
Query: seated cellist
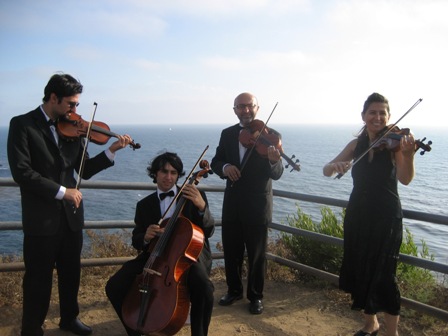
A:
165	171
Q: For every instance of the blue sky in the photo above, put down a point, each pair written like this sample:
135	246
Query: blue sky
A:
183	62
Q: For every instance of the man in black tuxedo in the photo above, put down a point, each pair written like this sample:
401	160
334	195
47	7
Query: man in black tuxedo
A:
43	164
165	171
247	206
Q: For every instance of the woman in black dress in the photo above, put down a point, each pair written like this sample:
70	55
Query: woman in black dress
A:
373	219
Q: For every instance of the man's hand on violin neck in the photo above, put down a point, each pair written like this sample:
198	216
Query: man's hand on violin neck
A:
122	142
273	154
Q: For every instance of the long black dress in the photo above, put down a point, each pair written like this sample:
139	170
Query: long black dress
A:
372	234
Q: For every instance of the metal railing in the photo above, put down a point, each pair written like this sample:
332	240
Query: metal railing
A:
419	262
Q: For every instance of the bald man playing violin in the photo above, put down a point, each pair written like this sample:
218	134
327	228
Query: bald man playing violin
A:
247	206
43	164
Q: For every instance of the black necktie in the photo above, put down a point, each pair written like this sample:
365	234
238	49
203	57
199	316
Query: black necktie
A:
162	196
53	130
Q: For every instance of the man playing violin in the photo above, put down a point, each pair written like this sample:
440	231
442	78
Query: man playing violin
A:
165	171
247	206
373	219
43	164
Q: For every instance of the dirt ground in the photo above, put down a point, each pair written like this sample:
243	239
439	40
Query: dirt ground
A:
290	309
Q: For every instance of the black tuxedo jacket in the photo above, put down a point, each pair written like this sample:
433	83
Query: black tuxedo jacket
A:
148	212
40	166
252	193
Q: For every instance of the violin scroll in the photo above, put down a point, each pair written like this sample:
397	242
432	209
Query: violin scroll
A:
425	147
391	141
204	172
203	164
295	164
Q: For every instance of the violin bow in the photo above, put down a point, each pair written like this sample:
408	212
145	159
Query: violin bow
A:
338	176
84	152
183	185
256	140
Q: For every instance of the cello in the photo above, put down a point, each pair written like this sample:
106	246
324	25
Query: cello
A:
158	300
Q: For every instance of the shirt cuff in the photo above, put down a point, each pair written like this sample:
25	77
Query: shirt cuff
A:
110	155
224	167
61	193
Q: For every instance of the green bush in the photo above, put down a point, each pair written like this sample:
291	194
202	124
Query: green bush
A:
415	282
321	255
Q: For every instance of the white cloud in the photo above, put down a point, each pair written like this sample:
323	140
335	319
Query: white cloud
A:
318	59
260	60
221	8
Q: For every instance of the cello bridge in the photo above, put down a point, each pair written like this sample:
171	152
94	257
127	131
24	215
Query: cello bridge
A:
151	271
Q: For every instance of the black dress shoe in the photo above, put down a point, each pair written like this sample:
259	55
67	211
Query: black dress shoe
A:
256	307
363	333
229	298
76	327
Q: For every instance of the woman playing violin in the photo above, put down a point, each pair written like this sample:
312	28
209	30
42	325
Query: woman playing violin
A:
373	218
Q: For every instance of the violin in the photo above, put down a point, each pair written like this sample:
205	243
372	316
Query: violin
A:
391	141
72	126
258	135
391	130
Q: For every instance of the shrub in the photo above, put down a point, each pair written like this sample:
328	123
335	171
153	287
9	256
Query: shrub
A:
106	244
415	282
320	255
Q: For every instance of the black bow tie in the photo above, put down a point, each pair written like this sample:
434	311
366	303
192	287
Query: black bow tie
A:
51	122
162	196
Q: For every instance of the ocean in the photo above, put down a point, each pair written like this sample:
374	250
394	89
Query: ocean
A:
313	145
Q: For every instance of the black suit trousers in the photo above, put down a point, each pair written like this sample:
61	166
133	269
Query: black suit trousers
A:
236	238
41	255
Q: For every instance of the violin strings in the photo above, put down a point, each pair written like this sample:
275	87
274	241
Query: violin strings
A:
256	140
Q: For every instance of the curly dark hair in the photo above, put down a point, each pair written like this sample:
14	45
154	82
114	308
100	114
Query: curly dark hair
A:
161	160
62	85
